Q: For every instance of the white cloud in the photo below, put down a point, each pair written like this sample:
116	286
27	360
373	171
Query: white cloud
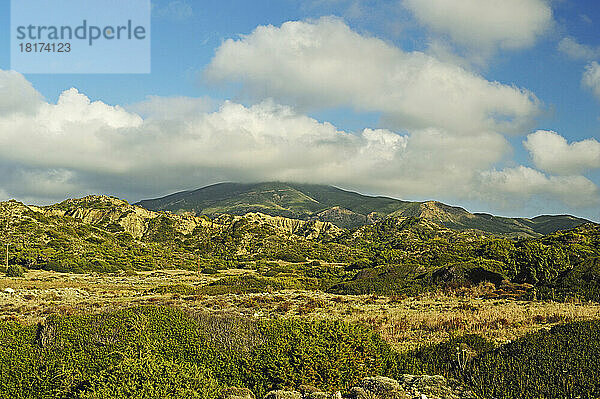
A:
516	185
551	152
17	94
577	51
172	107
485	24
76	147
591	78
325	63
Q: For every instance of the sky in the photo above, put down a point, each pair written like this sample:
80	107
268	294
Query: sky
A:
493	105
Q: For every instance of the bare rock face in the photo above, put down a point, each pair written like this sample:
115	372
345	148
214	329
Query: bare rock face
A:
308	229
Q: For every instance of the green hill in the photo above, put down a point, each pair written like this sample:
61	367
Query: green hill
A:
343	208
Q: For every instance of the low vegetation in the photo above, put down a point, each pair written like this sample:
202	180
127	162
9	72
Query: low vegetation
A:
102	299
156	352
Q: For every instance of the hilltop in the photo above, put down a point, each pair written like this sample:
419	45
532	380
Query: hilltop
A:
343	208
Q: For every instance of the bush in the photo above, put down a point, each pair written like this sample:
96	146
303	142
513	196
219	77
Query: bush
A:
557	363
154	352
15	271
150	377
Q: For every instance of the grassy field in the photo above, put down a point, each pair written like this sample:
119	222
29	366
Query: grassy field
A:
404	322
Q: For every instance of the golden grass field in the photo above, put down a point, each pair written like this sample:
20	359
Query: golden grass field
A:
403	322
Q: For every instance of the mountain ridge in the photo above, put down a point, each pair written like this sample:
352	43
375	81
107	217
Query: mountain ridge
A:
345	209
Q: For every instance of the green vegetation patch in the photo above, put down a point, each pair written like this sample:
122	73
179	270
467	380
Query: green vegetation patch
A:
167	353
558	363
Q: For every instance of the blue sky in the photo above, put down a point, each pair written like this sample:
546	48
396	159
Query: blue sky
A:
239	93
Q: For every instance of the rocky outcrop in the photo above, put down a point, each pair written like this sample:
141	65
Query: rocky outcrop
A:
408	386
308	229
102	210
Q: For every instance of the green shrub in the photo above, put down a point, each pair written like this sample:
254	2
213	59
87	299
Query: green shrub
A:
157	352
446	358
15	271
557	363
150	377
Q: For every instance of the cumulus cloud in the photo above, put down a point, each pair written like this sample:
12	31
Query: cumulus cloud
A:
178	107
76	146
79	146
325	63
485	24
516	185
577	51
551	152
17	94
591	78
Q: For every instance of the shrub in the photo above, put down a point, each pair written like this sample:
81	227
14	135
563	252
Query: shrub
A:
150	377
154	352
15	271
558	363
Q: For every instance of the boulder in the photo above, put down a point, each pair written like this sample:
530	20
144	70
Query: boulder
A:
236	393
281	394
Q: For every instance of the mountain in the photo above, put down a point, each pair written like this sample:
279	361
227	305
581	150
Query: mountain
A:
343	208
399	254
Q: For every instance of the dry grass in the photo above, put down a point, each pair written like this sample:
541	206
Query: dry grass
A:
404	322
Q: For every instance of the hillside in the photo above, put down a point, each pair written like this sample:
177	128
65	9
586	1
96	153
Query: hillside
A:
343	208
395	255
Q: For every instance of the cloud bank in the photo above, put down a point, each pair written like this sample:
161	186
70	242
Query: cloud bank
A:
445	135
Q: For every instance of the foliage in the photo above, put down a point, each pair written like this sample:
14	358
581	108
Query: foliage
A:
160	352
404	255
15	271
559	363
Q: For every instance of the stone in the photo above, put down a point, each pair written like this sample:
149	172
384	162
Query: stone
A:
281	394
318	395
378	385
236	393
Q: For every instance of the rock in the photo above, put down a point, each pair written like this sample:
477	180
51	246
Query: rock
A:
359	393
433	387
280	394
409	386
319	395
379	384
236	393
311	392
